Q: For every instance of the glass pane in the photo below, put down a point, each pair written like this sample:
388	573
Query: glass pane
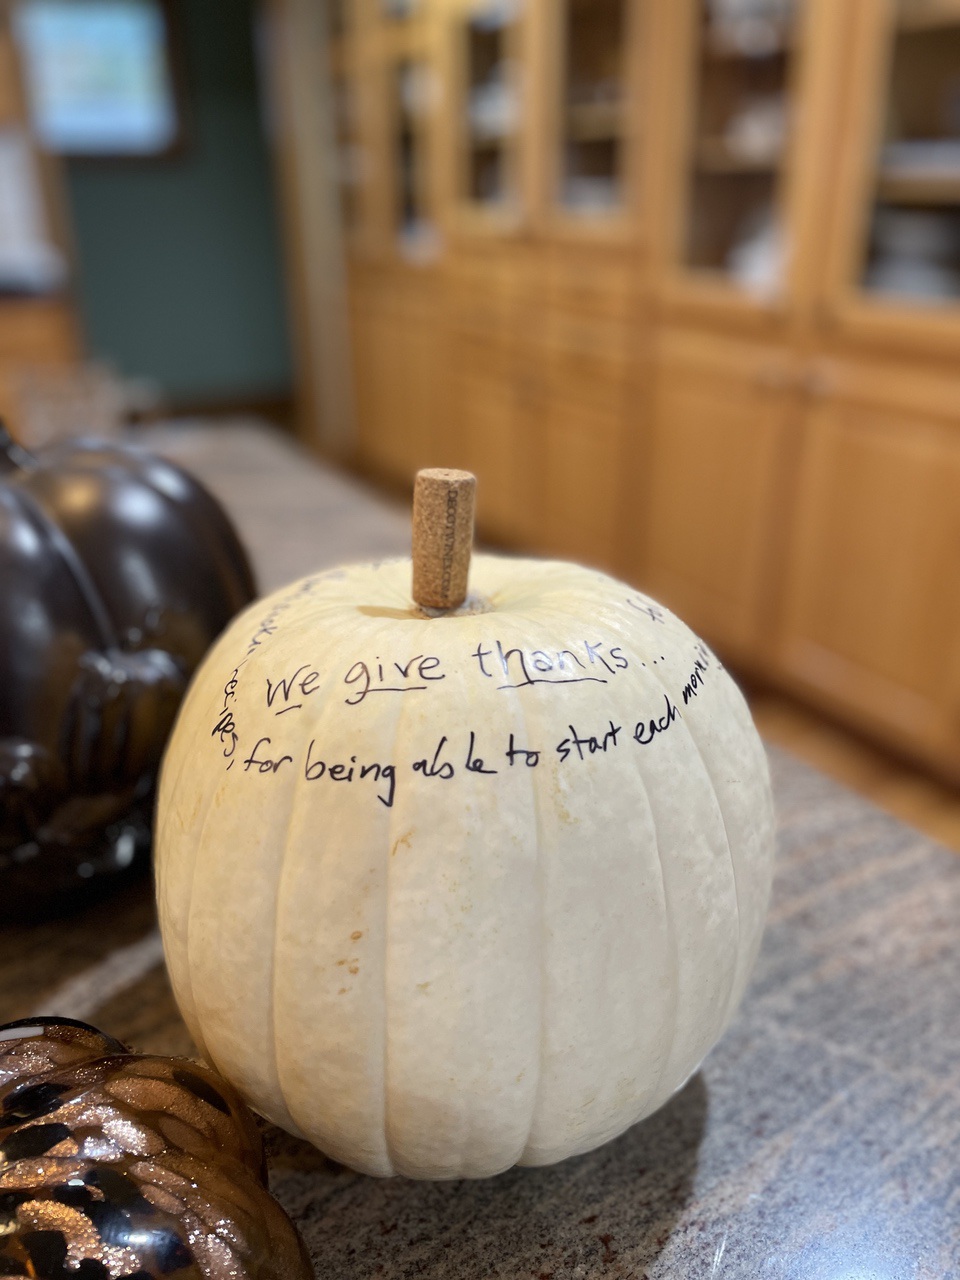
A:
747	49
592	104
411	90
491	106
914	243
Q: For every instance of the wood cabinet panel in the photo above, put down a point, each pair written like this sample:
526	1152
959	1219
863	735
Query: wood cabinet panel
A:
714	486
494	434
38	331
871	617
399	369
583	378
581	475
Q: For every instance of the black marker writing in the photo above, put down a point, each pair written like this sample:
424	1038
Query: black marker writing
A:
434	769
647	730
585	746
475	763
263	764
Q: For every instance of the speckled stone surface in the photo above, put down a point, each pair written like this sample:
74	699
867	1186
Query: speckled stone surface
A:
293	516
819	1141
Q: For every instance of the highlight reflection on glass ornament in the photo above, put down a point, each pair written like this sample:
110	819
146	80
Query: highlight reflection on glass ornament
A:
120	1166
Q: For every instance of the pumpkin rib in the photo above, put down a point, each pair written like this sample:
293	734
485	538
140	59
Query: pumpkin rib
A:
726	836
674	949
75	567
162	876
201	830
299	808
209	813
392	820
186	969
200	512
278	880
538	821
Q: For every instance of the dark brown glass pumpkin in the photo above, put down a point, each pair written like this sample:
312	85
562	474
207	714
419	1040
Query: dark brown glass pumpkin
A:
117	571
115	1165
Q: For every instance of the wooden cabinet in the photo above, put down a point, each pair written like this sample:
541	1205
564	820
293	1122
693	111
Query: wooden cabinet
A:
399	364
870	617
892	259
589	390
716	485
631	262
744	118
590	157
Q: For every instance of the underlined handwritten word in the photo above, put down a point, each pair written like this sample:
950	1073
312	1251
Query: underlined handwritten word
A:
365	678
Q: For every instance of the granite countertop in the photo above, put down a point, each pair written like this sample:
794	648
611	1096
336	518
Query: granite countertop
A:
819	1141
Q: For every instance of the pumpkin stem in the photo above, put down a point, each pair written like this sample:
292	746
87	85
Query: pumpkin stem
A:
13	456
443	507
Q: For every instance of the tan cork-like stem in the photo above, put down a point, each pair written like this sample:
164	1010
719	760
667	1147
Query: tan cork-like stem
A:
443	506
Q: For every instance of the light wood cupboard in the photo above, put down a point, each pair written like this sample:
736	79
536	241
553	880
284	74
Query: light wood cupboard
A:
722	437
680	280
871	590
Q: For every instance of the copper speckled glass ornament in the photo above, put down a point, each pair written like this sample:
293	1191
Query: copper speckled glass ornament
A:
120	1166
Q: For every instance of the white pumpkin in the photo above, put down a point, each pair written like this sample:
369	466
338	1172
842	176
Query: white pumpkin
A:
444	894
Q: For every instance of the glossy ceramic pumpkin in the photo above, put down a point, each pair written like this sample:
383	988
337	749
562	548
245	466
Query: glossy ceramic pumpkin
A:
117	571
129	1165
447	893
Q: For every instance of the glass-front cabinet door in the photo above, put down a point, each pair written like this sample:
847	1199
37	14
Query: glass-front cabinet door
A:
412	85
912	249
743	131
738	150
487	102
895	262
594	101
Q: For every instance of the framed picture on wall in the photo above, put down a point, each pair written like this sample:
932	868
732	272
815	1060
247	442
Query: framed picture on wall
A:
101	76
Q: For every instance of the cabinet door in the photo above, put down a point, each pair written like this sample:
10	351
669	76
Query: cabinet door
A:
713	496
871	619
893	261
485	117
493	435
592	77
582	378
399	367
743	132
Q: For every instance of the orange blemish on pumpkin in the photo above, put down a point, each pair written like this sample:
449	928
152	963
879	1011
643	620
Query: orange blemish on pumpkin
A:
356	935
401	840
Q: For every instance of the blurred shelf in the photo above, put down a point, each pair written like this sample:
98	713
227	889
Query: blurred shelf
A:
715	155
725	48
896	187
593	121
920	15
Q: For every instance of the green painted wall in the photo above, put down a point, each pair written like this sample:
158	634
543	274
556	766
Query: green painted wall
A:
180	267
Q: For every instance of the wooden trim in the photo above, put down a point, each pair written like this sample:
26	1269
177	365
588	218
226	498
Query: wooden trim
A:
302	101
